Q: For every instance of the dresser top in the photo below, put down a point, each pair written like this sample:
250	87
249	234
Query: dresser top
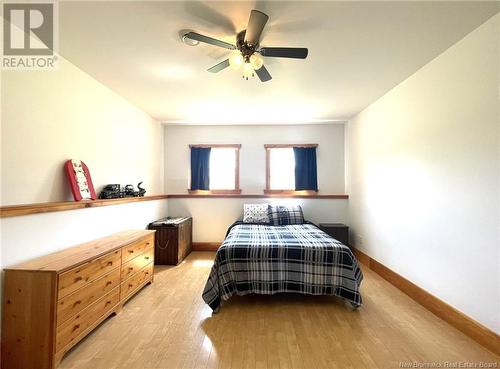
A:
73	256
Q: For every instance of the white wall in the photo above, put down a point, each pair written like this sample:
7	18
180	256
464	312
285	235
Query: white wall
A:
423	177
51	116
29	236
330	152
211	217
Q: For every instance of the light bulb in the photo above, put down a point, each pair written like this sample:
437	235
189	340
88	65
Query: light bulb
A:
247	70
236	60
257	61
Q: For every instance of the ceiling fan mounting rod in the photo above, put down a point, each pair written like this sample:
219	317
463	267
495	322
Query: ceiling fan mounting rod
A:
244	47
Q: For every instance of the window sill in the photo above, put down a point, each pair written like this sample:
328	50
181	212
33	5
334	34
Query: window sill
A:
214	192
291	192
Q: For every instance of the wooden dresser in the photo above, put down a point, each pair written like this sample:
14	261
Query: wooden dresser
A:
52	302
173	240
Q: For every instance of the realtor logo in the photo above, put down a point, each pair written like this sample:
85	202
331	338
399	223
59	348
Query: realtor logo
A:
29	35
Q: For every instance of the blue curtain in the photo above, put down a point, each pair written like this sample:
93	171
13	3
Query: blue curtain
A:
306	172
200	167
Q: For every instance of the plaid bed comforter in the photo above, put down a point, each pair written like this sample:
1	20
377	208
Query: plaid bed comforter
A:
265	259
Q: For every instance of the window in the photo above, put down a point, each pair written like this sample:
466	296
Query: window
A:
282	169
215	168
290	168
223	168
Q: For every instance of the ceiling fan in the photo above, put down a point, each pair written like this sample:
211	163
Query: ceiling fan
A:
247	51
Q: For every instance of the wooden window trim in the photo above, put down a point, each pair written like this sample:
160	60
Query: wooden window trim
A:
281	146
236	190
289	192
236	146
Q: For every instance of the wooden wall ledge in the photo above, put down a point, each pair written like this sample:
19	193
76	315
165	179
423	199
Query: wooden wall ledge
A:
249	196
48	207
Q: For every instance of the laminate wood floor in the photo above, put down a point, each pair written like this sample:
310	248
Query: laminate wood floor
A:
168	325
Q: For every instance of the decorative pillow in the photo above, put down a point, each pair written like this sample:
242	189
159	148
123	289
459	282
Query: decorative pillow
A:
274	215
290	215
255	213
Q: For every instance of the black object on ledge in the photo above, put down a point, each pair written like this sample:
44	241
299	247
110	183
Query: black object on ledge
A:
114	191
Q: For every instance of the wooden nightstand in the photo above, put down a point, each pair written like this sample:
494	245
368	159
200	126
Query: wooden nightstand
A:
338	231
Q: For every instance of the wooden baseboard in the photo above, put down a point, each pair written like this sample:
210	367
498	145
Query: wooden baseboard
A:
206	246
479	333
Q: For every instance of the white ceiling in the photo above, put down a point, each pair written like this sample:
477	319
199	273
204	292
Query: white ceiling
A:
357	52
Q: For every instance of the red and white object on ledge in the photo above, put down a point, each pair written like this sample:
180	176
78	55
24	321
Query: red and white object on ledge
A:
79	179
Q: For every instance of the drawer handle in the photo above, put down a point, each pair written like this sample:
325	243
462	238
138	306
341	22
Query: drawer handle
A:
77	303
110	263
130	285
76	327
130	268
146	257
147	273
107	303
131	251
109	283
78	279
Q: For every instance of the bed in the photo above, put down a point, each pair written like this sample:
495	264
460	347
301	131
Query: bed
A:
270	259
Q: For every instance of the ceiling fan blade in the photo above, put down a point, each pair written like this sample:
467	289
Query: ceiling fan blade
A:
209	40
218	67
263	74
285	52
255	26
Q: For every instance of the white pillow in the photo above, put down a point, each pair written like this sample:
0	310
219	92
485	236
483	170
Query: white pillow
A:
255	213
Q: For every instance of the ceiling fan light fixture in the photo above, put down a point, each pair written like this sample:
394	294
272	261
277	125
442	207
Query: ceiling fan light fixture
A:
247	70
236	60
257	61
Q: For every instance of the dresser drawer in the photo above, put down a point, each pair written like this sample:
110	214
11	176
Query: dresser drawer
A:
136	248
134	282
80	299
68	332
136	264
76	278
